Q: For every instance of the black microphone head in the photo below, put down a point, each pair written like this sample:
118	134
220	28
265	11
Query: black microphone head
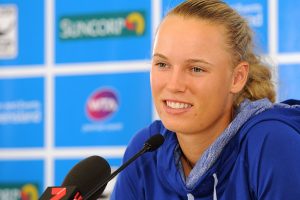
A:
87	174
154	142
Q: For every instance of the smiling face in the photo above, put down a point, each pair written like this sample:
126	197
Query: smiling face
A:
192	76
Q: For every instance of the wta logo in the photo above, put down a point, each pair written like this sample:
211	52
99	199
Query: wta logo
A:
101	104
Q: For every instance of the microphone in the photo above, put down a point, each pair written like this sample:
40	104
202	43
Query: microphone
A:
150	145
88	178
82	178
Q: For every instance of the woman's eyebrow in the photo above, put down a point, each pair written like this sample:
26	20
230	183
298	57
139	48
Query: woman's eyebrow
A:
159	55
196	60
190	60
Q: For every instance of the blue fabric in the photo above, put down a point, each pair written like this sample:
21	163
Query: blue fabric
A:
259	160
246	110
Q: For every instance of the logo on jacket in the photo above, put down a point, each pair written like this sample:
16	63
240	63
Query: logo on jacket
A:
8	31
101	104
106	25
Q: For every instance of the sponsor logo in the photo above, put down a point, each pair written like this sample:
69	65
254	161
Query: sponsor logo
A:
8	31
58	193
19	191
20	112
101	104
65	193
102	25
252	12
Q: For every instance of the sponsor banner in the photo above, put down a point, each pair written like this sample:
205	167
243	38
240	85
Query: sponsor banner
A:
8	31
21	112
87	33
21	180
21	32
101	109
288	27
120	24
255	11
26	191
289	82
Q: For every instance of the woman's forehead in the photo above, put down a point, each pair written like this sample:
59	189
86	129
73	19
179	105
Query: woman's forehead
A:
176	30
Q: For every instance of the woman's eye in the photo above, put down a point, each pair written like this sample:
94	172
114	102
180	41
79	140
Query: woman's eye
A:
161	65
197	69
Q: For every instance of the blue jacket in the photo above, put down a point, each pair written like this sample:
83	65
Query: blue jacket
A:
262	161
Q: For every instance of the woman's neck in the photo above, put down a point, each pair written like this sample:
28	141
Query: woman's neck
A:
193	145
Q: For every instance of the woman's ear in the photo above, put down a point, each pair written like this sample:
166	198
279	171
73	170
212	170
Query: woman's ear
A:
240	77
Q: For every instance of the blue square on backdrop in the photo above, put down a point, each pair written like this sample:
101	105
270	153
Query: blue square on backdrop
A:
255	11
91	30
289	27
289	82
22	112
24	176
168	5
21	32
97	110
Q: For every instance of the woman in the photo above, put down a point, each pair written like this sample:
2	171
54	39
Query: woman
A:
224	136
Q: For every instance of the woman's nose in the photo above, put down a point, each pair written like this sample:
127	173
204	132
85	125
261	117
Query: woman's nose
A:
176	82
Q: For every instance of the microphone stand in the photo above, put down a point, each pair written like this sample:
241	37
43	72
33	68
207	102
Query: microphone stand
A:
146	148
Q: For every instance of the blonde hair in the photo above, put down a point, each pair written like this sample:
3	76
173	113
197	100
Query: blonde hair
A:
239	41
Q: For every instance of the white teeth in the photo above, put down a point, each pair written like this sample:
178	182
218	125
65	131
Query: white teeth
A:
177	105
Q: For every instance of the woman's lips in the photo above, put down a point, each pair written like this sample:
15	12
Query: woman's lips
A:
176	107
